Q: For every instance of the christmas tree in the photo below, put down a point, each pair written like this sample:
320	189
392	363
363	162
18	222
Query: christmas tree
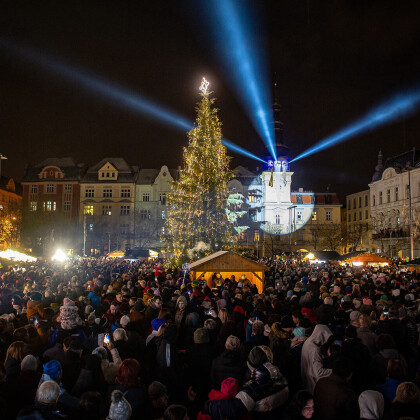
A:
197	223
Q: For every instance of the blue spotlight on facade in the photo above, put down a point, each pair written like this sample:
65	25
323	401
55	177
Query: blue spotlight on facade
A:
403	104
232	26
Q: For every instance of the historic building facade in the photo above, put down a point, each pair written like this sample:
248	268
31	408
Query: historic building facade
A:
395	205
50	205
107	194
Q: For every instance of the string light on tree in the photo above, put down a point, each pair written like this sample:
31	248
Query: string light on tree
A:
204	86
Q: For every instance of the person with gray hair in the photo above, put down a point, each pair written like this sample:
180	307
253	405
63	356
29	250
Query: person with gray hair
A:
29	362
45	405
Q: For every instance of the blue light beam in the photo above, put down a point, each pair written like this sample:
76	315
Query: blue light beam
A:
110	91
232	26
402	104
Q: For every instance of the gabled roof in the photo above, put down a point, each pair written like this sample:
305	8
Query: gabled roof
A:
147	176
119	163
125	172
72	170
65	162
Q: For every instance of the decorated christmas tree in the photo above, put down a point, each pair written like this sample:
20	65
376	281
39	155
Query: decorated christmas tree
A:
197	223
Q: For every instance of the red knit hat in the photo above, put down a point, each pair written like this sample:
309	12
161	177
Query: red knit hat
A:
229	387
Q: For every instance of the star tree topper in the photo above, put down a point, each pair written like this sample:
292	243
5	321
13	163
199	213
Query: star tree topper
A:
204	85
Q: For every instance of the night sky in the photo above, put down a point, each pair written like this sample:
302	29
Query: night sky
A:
333	60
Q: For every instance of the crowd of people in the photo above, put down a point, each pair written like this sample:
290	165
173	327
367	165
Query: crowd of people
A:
115	339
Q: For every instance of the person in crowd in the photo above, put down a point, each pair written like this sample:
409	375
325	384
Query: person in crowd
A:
14	356
300	407
371	404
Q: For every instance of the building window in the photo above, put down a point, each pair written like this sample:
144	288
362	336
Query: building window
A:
396	194
252	215
162	214
125	192
124	228
107	174
67	206
107	193
33	206
366	214
380	197
374	200
328	215
49	188
407	191
146	196
125	210
354	216
112	174
354	203
299	215
360	202
388	196
360	215
145	214
68	188
366	200
299	199
252	198
349	205
349	218
256	235
242	236
89	192
34	189
300	235
314	216
277	219
162	198
106	210
50	206
88	210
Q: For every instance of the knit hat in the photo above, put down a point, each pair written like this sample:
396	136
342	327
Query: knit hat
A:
120	408
156	390
101	352
52	369
232	343
201	336
124	320
157	323
256	358
229	387
69	319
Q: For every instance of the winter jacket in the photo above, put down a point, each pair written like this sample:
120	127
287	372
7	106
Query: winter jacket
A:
136	396
95	301
325	314
388	390
335	399
228	364
368	338
12	368
109	369
400	410
311	363
379	363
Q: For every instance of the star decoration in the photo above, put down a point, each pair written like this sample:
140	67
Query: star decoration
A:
204	85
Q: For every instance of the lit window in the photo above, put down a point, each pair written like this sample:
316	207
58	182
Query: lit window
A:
107	193
328	215
33	206
163	214
88	210
34	189
256	235
146	196
89	192
125	192
68	188
125	210
67	205
314	215
90	227
50	206
252	198
106	210
49	188
299	215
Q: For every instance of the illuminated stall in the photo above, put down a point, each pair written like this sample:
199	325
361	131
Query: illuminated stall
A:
227	263
320	257
364	258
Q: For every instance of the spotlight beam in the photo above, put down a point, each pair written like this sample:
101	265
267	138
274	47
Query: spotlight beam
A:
117	95
402	104
231	26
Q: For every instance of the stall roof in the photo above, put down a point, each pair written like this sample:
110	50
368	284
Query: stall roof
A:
218	256
365	257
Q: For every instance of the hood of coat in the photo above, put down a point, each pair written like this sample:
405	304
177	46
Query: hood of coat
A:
320	335
371	405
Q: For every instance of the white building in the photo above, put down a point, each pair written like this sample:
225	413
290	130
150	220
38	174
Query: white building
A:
394	190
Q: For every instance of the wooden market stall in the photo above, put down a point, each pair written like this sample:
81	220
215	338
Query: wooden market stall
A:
228	263
364	258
